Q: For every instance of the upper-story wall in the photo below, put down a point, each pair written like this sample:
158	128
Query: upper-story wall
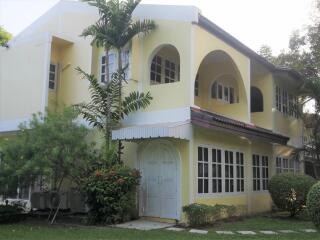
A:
25	65
261	96
215	61
285	120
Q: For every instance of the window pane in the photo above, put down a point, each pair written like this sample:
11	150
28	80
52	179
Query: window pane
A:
52	68
226	94
231	95
214	90
219	91
200	186
52	76
51	85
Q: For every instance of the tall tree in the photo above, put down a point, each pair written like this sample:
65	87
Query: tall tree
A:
114	29
103	110
4	36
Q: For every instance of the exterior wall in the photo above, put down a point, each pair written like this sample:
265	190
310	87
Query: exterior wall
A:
30	53
205	43
248	201
263	80
22	88
284	124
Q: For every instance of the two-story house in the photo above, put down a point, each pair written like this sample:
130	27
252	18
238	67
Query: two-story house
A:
222	120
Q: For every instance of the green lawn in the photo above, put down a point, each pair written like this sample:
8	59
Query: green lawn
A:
37	231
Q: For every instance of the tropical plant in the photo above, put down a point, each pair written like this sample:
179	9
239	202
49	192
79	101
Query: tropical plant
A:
51	146
115	28
289	191
103	110
313	204
111	194
4	36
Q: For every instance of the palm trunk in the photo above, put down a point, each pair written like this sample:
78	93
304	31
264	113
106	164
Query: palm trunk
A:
121	74
108	113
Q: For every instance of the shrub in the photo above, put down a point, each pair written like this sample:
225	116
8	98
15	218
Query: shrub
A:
201	214
111	194
289	191
313	204
10	213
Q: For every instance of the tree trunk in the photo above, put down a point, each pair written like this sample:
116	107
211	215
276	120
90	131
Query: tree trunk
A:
108	110
121	75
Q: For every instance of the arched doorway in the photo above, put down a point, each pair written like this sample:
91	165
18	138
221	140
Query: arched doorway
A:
160	184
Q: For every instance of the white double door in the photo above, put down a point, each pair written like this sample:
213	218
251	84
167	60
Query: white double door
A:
159	188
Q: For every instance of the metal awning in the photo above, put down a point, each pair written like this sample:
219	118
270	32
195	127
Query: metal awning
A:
180	130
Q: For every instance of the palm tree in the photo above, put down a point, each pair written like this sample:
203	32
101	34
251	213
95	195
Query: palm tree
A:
116	28
103	110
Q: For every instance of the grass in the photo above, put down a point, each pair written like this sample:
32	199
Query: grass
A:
40	231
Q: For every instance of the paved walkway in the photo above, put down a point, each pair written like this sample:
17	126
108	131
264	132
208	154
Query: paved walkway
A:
265	232
141	224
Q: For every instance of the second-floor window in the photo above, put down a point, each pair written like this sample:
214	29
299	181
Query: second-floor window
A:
163	71
223	92
111	67
53	76
286	102
113	64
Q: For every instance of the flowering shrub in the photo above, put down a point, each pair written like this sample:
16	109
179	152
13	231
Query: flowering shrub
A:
111	194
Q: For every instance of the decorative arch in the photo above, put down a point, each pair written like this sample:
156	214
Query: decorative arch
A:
220	55
256	100
164	65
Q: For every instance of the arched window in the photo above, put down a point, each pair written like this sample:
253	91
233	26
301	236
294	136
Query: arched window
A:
256	100
165	66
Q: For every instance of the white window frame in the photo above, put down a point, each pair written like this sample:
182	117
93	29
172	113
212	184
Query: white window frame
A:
262	179
112	66
55	76
226	95
286	102
163	70
286	164
223	179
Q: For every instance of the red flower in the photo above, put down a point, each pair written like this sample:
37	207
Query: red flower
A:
98	173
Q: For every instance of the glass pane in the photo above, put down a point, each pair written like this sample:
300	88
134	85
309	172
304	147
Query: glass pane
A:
231	95
205	154
214	170
206	170
214	186
52	76
214	90
214	155
219	91
103	60
226	94
200	170
219	156
199	153
206	186
200	186
51	85
52	68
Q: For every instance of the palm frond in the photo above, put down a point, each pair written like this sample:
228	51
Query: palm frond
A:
134	102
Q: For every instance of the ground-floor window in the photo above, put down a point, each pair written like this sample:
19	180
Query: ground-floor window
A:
220	171
284	164
260	168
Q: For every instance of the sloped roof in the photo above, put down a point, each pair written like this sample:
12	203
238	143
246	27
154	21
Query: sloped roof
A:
215	121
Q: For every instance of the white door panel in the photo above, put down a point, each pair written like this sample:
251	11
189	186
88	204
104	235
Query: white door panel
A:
160	181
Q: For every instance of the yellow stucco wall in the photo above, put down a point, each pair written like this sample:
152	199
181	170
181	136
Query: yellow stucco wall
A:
263	80
205	43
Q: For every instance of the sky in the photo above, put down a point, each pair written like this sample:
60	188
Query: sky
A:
253	22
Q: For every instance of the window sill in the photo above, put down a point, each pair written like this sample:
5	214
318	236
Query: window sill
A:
219	195
260	192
